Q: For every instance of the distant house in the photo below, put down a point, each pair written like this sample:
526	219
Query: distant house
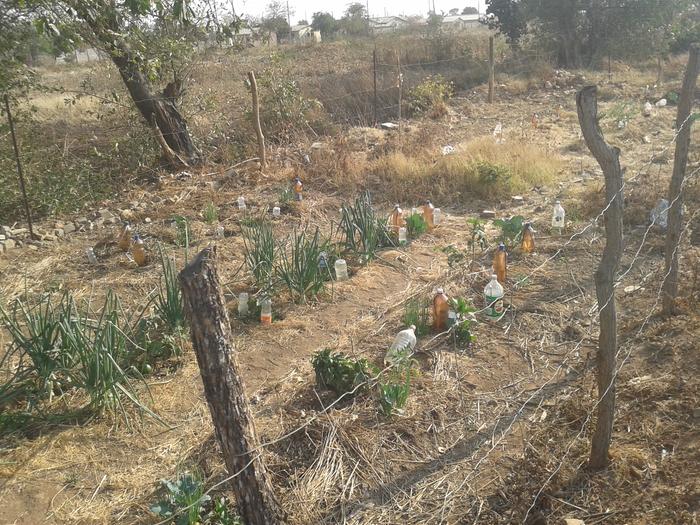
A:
81	56
458	22
387	24
253	37
305	33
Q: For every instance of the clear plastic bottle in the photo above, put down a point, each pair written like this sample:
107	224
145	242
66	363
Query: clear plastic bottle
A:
403	236
396	219
243	304
298	188
528	243
428	214
276	212
323	263
558	216
437	216
220	232
493	295
91	257
124	240
138	251
241	203
266	311
500	262
404	342
341	270
441	310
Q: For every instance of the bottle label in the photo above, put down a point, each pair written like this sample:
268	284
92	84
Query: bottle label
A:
494	306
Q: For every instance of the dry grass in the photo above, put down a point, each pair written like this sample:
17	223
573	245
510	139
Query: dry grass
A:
479	168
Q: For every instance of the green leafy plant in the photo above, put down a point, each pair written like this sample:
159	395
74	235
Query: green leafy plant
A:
477	236
455	256
511	230
493	175
430	96
168	299
221	514
340	373
298	266
184	234
363	231
260	251
393	394
417	313
285	197
464	322
415	225
210	213
183	501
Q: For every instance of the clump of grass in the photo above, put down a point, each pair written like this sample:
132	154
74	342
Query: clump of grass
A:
210	213
340	373
298	266
415	225
393	394
168	300
363	232
260	251
417	313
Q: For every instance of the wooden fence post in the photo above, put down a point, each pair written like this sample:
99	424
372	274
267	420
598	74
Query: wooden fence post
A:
399	83
684	125
223	387
256	117
374	74
20	173
491	69
609	159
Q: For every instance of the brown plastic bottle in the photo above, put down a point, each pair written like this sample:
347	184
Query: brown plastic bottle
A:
441	311
124	240
138	251
396	219
500	260
298	188
428	209
528	243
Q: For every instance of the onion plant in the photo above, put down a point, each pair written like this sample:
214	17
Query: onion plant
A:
363	232
298	267
260	251
168	299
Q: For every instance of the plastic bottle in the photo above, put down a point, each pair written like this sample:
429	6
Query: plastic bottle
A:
533	121
437	216
323	262
91	257
266	311
500	262
528	243
124	241
298	188
441	310
341	270
243	304
276	212
403	236
451	318
220	231
404	342
241	203
428	214
414	211
396	218
138	251
558	216
493	294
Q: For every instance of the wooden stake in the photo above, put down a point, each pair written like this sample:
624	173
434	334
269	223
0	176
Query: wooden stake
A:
20	173
609	159
256	117
399	83
684	125
223	388
374	71
491	70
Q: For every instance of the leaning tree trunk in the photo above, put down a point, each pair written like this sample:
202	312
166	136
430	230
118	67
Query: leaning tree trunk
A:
684	125
609	159
223	387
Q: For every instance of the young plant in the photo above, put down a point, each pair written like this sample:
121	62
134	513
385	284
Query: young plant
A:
210	213
463	328
184	500
511	230
417	313
340	373
184	234
298	266
363	232
477	236
168	300
393	394
416	225
260	251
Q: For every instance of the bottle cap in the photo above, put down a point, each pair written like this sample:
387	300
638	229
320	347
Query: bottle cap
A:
494	277
557	202
501	246
413	327
440	291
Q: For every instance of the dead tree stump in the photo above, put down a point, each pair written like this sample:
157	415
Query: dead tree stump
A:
223	387
609	159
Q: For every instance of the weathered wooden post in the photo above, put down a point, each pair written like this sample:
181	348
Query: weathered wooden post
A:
256	118
491	69
374	74
609	159
684	125
223	387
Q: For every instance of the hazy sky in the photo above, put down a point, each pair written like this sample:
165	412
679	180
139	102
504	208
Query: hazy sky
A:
306	8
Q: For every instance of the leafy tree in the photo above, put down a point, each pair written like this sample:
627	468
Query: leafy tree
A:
325	23
434	22
275	19
454	11
355	20
507	17
469	10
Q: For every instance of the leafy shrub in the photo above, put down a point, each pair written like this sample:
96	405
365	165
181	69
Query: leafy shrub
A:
511	230
183	501
363	231
340	373
491	174
462	330
260	251
210	213
415	225
298	266
430	96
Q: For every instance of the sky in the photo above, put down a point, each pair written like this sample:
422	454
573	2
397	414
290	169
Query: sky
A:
305	8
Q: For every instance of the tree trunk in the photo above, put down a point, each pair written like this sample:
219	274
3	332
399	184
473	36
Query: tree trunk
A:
684	125
609	160
223	387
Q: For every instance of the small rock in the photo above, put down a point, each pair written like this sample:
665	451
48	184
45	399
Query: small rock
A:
6	230
488	214
2	237
127	215
69	227
648	109
58	232
9	244
385	125
2	247
646	139
517	200
147	220
548	85
81	220
48	237
632	288
661	103
58	225
32	247
113	220
573	521
19	231
105	214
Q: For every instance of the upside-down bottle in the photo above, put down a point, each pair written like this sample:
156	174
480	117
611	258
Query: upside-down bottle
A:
404	342
500	260
558	216
528	243
243	304
396	219
441	311
341	270
124	241
428	214
138	251
298	188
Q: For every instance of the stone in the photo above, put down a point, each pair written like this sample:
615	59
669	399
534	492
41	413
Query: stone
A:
48	237
147	220
127	215
19	231
573	521
105	214
6	230
2	246
99	222
517	200
2	237
488	214
69	227
81	220
113	220
9	244
32	247
59	225
58	232
548	85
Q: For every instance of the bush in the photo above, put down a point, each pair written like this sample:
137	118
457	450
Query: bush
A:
340	373
393	394
298	266
430	96
364	233
260	251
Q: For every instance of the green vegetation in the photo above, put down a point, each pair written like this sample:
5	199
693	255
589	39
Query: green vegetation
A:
430	96
340	373
168	300
415	225
511	230
417	313
463	327
298	266
260	251
363	232
210	213
393	394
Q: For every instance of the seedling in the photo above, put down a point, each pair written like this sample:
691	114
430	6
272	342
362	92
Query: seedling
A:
511	230
340	373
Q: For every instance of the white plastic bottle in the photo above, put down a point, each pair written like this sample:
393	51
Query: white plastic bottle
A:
493	295
404	342
558	216
220	232
403	236
241	203
341	270
91	257
437	216
276	212
266	311
243	304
